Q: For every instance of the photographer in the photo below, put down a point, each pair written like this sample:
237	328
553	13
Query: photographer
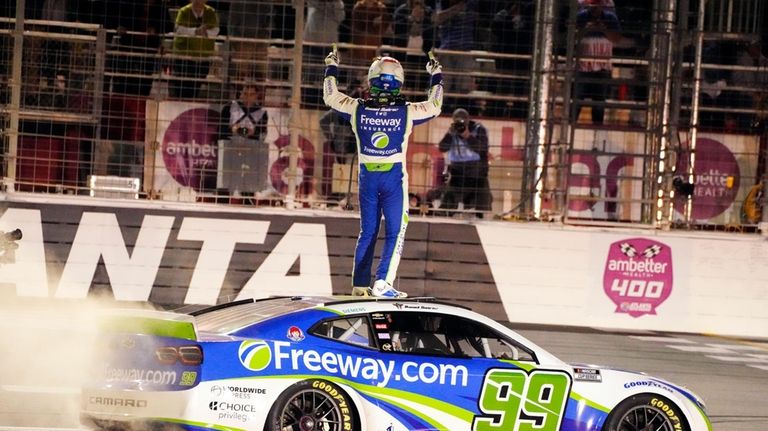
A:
466	145
246	118
243	154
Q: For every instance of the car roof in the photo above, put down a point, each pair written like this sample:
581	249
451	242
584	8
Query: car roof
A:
223	318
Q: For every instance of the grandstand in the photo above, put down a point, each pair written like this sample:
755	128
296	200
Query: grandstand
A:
606	112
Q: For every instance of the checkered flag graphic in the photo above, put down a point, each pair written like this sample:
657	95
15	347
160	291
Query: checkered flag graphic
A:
628	249
652	251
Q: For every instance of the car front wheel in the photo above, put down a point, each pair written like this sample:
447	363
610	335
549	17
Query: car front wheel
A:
646	412
312	405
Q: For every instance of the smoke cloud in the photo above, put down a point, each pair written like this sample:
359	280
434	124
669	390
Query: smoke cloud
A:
46	355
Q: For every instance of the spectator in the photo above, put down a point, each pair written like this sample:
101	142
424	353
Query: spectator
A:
56	54
338	136
714	92
597	31
370	22
250	19
340	144
413	30
243	151
754	82
340	147
466	148
139	28
457	22
197	24
321	28
513	29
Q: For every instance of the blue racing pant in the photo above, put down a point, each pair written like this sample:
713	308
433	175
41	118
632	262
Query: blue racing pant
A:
382	192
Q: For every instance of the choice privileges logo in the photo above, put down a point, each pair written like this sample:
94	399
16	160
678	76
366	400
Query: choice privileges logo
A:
283	357
638	275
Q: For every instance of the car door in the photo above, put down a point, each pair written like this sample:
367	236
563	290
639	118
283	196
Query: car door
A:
452	373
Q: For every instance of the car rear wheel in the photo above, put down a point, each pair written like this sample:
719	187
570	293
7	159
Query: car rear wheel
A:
646	412
312	405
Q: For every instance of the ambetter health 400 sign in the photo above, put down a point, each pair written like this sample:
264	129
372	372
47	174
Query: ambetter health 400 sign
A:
638	275
185	153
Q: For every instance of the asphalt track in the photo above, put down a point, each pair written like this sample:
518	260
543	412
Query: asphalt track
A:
39	380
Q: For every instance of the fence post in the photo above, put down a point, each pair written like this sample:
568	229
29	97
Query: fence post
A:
295	120
15	106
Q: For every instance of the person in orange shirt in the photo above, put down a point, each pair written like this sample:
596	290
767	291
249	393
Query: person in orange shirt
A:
371	21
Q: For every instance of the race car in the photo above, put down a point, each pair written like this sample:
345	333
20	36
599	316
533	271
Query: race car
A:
341	364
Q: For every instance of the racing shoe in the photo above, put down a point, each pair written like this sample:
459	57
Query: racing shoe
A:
385	290
361	291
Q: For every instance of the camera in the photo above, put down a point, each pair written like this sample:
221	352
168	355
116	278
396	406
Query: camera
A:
459	126
242	131
682	187
12	236
8	245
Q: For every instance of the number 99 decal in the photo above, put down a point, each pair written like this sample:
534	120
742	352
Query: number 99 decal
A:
513	400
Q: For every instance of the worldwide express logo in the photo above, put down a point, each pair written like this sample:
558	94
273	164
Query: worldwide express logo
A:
258	355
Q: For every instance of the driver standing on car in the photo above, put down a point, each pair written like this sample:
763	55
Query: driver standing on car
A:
382	124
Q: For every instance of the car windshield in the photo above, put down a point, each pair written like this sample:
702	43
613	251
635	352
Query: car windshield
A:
230	319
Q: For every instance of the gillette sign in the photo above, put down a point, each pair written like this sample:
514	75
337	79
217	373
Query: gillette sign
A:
638	275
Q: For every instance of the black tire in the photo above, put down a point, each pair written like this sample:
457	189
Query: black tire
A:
312	405
646	411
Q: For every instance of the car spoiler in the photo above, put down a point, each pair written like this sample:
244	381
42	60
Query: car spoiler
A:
148	322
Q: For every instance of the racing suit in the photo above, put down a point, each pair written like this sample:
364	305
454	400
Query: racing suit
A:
381	130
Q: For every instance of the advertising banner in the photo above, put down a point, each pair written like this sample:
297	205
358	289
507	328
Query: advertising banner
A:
186	140
724	172
638	275
608	171
186	137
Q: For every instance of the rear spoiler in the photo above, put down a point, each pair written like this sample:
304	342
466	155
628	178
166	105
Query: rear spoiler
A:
149	322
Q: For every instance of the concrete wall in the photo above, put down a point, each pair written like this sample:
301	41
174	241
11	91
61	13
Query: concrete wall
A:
174	254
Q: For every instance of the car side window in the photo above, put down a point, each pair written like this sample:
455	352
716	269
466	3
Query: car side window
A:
445	335
352	330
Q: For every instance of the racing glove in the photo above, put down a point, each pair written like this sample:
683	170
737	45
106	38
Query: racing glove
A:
332	59
434	67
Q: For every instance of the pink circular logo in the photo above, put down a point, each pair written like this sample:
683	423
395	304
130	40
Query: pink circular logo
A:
189	148
717	179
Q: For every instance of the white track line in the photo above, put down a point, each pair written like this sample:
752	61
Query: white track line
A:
751	348
623	331
39	429
662	339
702	349
73	390
744	359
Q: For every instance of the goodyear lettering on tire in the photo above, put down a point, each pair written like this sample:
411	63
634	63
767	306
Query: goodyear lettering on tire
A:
668	410
339	398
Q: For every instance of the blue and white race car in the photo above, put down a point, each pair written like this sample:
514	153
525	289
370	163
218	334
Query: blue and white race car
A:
340	364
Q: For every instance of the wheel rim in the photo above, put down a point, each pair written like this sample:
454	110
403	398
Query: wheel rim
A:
310	410
645	418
